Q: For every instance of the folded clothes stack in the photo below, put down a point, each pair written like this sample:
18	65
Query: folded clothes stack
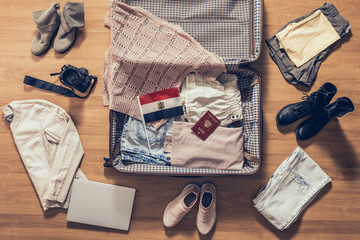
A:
302	44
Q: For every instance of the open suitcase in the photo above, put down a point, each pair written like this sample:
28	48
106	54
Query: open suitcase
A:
233	30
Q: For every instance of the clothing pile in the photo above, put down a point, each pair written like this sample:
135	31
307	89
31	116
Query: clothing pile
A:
302	44
148	54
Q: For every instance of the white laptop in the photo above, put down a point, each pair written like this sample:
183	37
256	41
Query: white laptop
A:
101	204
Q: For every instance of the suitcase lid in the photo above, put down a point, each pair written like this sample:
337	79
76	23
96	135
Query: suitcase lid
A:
229	28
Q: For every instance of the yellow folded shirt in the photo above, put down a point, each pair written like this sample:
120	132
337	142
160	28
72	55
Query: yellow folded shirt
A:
305	39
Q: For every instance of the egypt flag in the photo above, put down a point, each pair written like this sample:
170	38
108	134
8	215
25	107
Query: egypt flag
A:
159	105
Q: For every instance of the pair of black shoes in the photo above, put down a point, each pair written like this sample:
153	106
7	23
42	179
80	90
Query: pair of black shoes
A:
317	105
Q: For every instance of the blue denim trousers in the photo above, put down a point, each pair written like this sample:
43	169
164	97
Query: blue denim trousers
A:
134	146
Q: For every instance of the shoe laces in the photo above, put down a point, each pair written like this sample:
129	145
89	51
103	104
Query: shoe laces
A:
333	116
309	104
324	117
335	110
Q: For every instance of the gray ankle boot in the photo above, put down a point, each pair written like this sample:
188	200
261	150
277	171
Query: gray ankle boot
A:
47	22
71	18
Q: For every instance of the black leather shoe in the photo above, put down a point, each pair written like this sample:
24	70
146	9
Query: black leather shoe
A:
311	104
310	127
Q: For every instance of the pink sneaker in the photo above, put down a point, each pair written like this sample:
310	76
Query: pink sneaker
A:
181	205
206	216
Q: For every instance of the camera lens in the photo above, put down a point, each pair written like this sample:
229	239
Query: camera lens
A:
71	77
76	79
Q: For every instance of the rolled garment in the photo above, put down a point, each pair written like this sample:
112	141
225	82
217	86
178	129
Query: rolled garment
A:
307	72
223	149
291	188
306	39
221	97
49	146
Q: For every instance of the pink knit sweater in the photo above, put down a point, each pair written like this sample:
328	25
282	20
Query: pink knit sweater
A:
148	54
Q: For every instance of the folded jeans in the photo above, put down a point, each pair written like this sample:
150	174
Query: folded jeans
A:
291	188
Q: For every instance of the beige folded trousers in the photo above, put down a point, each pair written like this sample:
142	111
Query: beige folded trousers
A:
49	146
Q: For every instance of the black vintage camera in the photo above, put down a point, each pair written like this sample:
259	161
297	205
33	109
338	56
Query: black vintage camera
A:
74	77
70	76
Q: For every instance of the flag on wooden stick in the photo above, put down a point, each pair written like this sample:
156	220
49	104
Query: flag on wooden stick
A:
159	105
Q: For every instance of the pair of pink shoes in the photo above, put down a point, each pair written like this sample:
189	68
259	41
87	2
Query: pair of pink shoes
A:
181	205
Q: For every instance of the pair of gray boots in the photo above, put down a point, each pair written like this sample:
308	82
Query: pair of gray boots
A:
50	22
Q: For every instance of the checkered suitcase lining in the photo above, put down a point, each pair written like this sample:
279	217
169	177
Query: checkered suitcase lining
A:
251	125
225	17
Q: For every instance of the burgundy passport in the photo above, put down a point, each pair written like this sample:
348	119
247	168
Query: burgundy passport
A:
206	125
